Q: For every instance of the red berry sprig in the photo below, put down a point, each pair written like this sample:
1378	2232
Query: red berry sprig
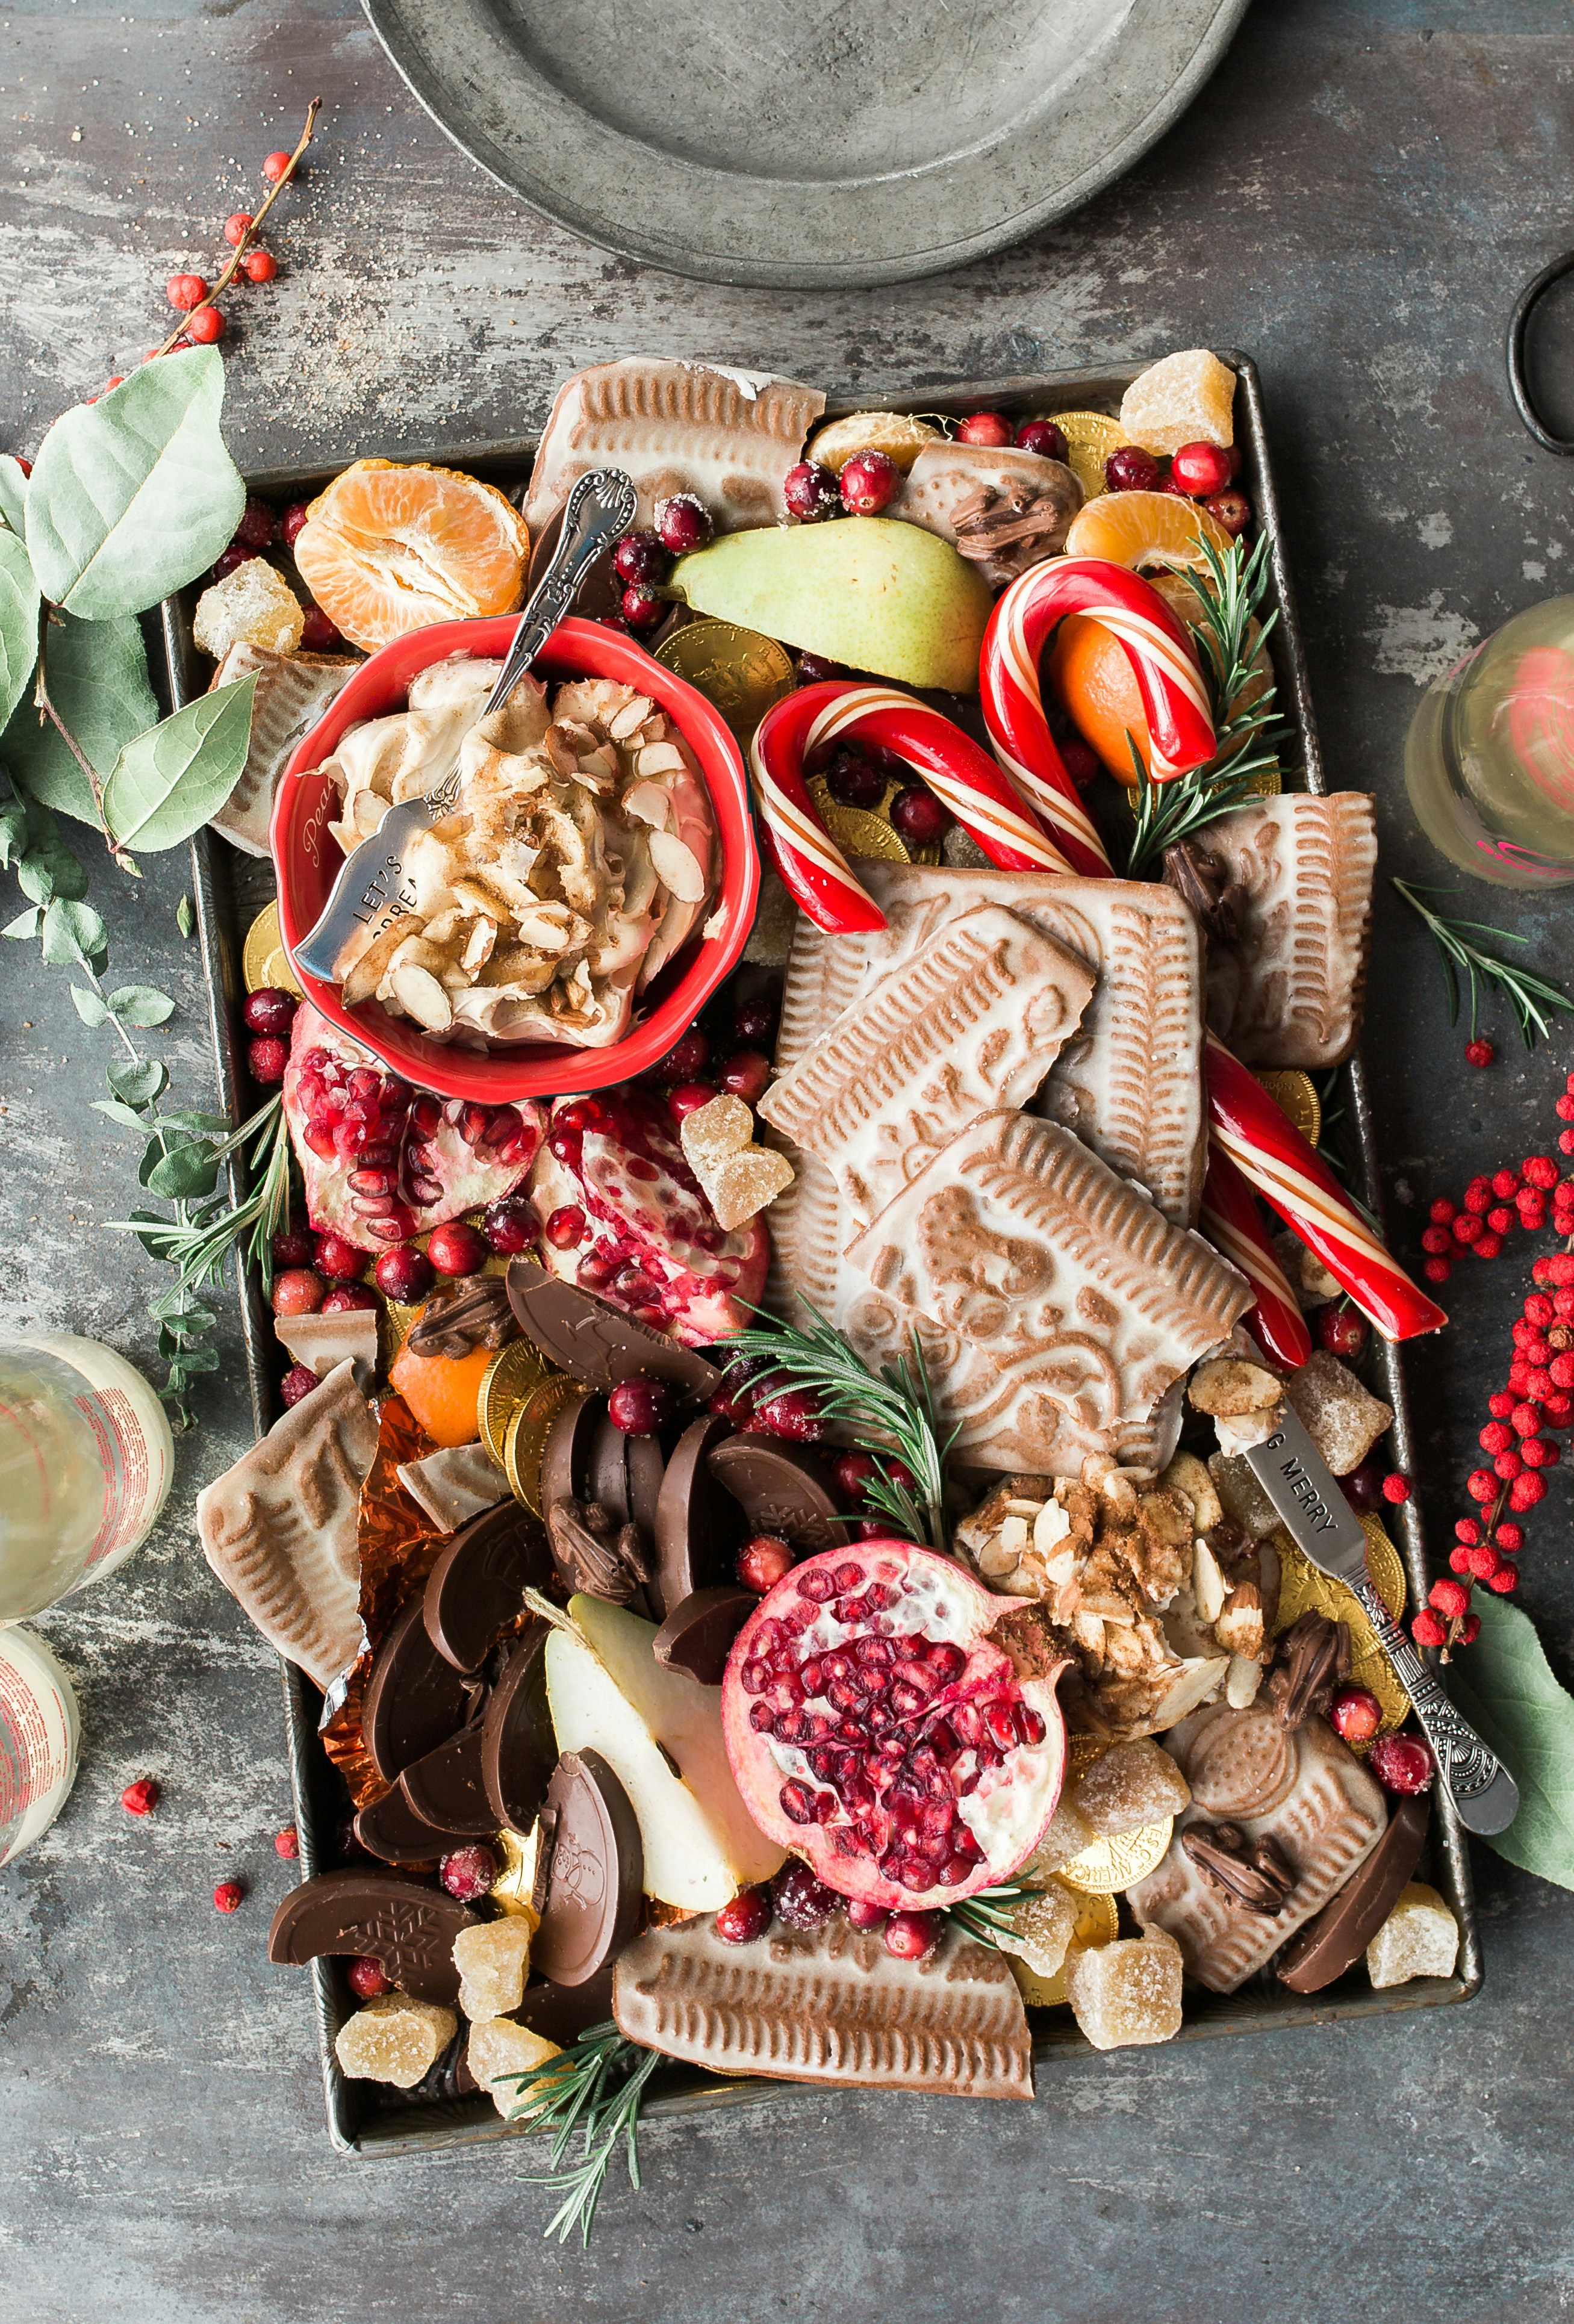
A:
202	320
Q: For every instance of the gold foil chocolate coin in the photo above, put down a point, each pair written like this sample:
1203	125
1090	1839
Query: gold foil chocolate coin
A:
741	671
866	831
1090	437
1295	1094
505	1383
264	960
1111	1864
1098	1923
526	1439
1304	1589
511	1890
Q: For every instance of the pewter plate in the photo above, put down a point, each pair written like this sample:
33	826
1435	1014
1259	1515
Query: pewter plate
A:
836	143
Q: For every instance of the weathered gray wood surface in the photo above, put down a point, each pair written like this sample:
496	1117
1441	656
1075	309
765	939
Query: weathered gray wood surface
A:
1354	199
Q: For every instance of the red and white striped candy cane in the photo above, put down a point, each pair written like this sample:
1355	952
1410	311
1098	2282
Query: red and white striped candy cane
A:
963	777
1233	1225
1270	1153
1163	659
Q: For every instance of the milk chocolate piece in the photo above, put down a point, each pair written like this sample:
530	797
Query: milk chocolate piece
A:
566	1456
647	1466
407	1924
414	1699
588	1336
518	1750
1312	1658
783	1488
829	2004
1340	1933
460	1317
563	2012
697	1634
699	1526
391	1829
1254	1876
445	1788
588	1871
477	1585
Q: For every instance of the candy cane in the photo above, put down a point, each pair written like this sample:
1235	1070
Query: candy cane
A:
1163	662
962	776
1270	1152
1233	1225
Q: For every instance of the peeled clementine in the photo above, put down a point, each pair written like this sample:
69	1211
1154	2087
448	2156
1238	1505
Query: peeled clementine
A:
1139	529
443	1391
387	549
1091	675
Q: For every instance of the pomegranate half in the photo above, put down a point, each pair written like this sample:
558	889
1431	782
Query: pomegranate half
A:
876	1729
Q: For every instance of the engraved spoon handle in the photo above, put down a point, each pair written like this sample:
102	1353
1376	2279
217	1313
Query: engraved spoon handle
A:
1484	1795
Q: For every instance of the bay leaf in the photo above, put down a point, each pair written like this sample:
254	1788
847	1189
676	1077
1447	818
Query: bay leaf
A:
19	603
1504	1686
134	495
168	782
98	682
13	494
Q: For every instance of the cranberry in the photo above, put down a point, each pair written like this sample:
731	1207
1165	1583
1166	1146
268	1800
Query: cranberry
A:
237	228
296	1384
745	1074
746	1917
802	1901
689	1097
338	1257
185	292
1401	1763
139	1798
763	1561
811	493
257	527
1201	469
468	1872
793	1412
565	1228
292	521
510	1226
287	1843
870	482
1342	1329
640	556
349	1298
991	428
228	559
862	1915
1080	761
298	1292
365	1977
275	168
269	1010
643	607
456	1249
206	326
405	1273
1131	470
685	1060
1479	1053
640	1407
229	1896
918	816
814	670
1043	436
683	523
754	1022
259	266
267	1059
911	1936
851	778
294	1247
318	633
346	1846
1362	1488
1356	1714
1233	510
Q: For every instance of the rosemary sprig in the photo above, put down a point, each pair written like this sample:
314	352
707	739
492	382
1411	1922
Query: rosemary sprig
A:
199	1239
983	1913
1530	996
597	2086
896	1404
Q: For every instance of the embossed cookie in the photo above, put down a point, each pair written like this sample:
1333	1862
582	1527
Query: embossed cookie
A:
294	690
1290	989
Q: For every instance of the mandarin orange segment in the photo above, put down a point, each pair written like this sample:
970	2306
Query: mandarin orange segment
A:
442	1392
387	549
1138	530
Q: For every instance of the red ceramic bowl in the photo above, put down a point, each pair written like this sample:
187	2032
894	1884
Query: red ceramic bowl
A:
308	862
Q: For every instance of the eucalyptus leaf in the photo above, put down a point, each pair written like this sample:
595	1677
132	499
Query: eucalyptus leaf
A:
170	781
125	1115
134	495
185	920
25	924
141	1004
90	1008
1504	1686
187	1170
73	931
208	1125
13	494
12	831
98	678
137	1083
19	604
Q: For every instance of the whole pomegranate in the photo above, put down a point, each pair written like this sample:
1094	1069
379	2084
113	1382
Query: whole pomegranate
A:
875	1728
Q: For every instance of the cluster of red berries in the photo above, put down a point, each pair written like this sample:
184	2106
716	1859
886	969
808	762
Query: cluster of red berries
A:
193	296
1528	1196
1195	472
260	526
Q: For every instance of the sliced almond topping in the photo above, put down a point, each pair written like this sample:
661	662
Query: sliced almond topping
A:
630	718
678	867
366	973
662	759
420	996
648	803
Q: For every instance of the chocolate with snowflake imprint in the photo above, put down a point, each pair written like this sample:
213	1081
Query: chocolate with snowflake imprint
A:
597	1342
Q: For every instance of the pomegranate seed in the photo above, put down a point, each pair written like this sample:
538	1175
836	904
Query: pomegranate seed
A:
1043	436
275	168
365	1977
990	428
870	482
229	1896
206	326
817	1586
298	1292
745	1918
468	1872
296	1384
140	1798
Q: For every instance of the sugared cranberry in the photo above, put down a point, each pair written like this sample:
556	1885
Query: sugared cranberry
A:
334	1255
811	493
793	1412
814	670
456	1249
140	1798
296	1384
276	167
867	1916
1356	1714
763	1561
287	1843
294	1247
291	521
230	559
1233	510
565	1227
870	482
754	1022
237	228
911	1936
640	1407
1201	469
991	428
259	266
318	633
257	527
689	1097
206	326
468	1872
802	1901
229	1896
1362	1488
642	607
683	523
298	1292
1043	436
349	1298
269	1010
266	1059
851	778
364	1974
640	556
510	1226
745	1917
685	1061
185	292
747	1073
405	1273
1131	470
1401	1762
918	816
1342	1329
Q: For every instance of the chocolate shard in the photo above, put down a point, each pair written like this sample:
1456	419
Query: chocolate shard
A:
567	1453
407	1924
829	2004
593	1552
518	1749
697	1634
609	1478
445	1789
478	1586
587	1336
783	1490
1340	1933
589	1871
563	2012
1204	881
1251	1874
391	1829
414	1698
460	1317
1313	1658
699	1524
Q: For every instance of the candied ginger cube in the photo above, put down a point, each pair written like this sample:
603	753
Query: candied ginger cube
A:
1419	1938
1341	1419
499	2048
1068	1834
711	1132
1133	1784
254	605
738	1176
1040	1928
1128	1993
492	1957
394	2039
1185	399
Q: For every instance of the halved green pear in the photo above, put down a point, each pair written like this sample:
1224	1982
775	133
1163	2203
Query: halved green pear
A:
871	591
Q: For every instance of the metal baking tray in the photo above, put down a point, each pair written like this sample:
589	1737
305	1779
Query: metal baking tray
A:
231	887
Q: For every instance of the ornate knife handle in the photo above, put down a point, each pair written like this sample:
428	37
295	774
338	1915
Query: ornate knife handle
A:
1484	1795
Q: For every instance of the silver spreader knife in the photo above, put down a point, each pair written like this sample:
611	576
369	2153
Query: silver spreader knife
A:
1306	1493
372	889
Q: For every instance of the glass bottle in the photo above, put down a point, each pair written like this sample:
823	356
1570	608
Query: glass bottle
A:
39	1729
1489	760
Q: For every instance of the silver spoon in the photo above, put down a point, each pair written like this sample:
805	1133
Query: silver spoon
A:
371	890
